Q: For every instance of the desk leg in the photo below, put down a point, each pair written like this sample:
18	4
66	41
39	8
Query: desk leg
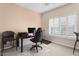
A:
17	42
2	48
21	45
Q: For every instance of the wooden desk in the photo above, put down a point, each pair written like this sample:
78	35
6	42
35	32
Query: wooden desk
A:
21	35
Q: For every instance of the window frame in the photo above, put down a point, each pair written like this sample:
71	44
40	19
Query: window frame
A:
59	25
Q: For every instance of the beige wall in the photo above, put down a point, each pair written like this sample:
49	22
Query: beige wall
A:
17	19
64	10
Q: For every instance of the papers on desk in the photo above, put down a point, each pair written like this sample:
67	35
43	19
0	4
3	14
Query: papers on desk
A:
30	34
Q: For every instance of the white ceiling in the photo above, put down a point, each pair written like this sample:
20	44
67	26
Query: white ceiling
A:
41	7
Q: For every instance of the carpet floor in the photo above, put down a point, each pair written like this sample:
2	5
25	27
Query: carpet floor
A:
51	49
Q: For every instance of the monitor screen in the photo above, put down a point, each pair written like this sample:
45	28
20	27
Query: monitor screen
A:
31	30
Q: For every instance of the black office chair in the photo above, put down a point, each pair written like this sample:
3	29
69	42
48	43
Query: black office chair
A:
7	36
37	38
77	40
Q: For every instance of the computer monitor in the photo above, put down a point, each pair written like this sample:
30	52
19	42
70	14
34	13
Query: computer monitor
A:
31	30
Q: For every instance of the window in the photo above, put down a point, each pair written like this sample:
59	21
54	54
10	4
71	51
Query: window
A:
64	25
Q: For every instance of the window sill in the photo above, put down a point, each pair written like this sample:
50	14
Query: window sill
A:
64	37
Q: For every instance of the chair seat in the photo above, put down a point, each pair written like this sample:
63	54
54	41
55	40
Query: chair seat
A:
33	40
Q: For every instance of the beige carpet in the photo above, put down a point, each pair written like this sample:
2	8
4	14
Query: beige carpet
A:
48	50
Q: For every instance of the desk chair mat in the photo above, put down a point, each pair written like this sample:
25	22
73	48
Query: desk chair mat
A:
46	41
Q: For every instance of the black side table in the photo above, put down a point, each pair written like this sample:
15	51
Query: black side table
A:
77	40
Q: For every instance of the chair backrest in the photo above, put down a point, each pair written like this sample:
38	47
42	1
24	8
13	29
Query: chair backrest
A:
77	35
8	35
38	35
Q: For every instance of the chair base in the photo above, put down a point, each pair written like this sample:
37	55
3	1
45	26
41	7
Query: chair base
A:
35	46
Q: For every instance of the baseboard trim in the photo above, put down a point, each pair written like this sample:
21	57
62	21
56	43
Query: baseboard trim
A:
6	48
62	44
